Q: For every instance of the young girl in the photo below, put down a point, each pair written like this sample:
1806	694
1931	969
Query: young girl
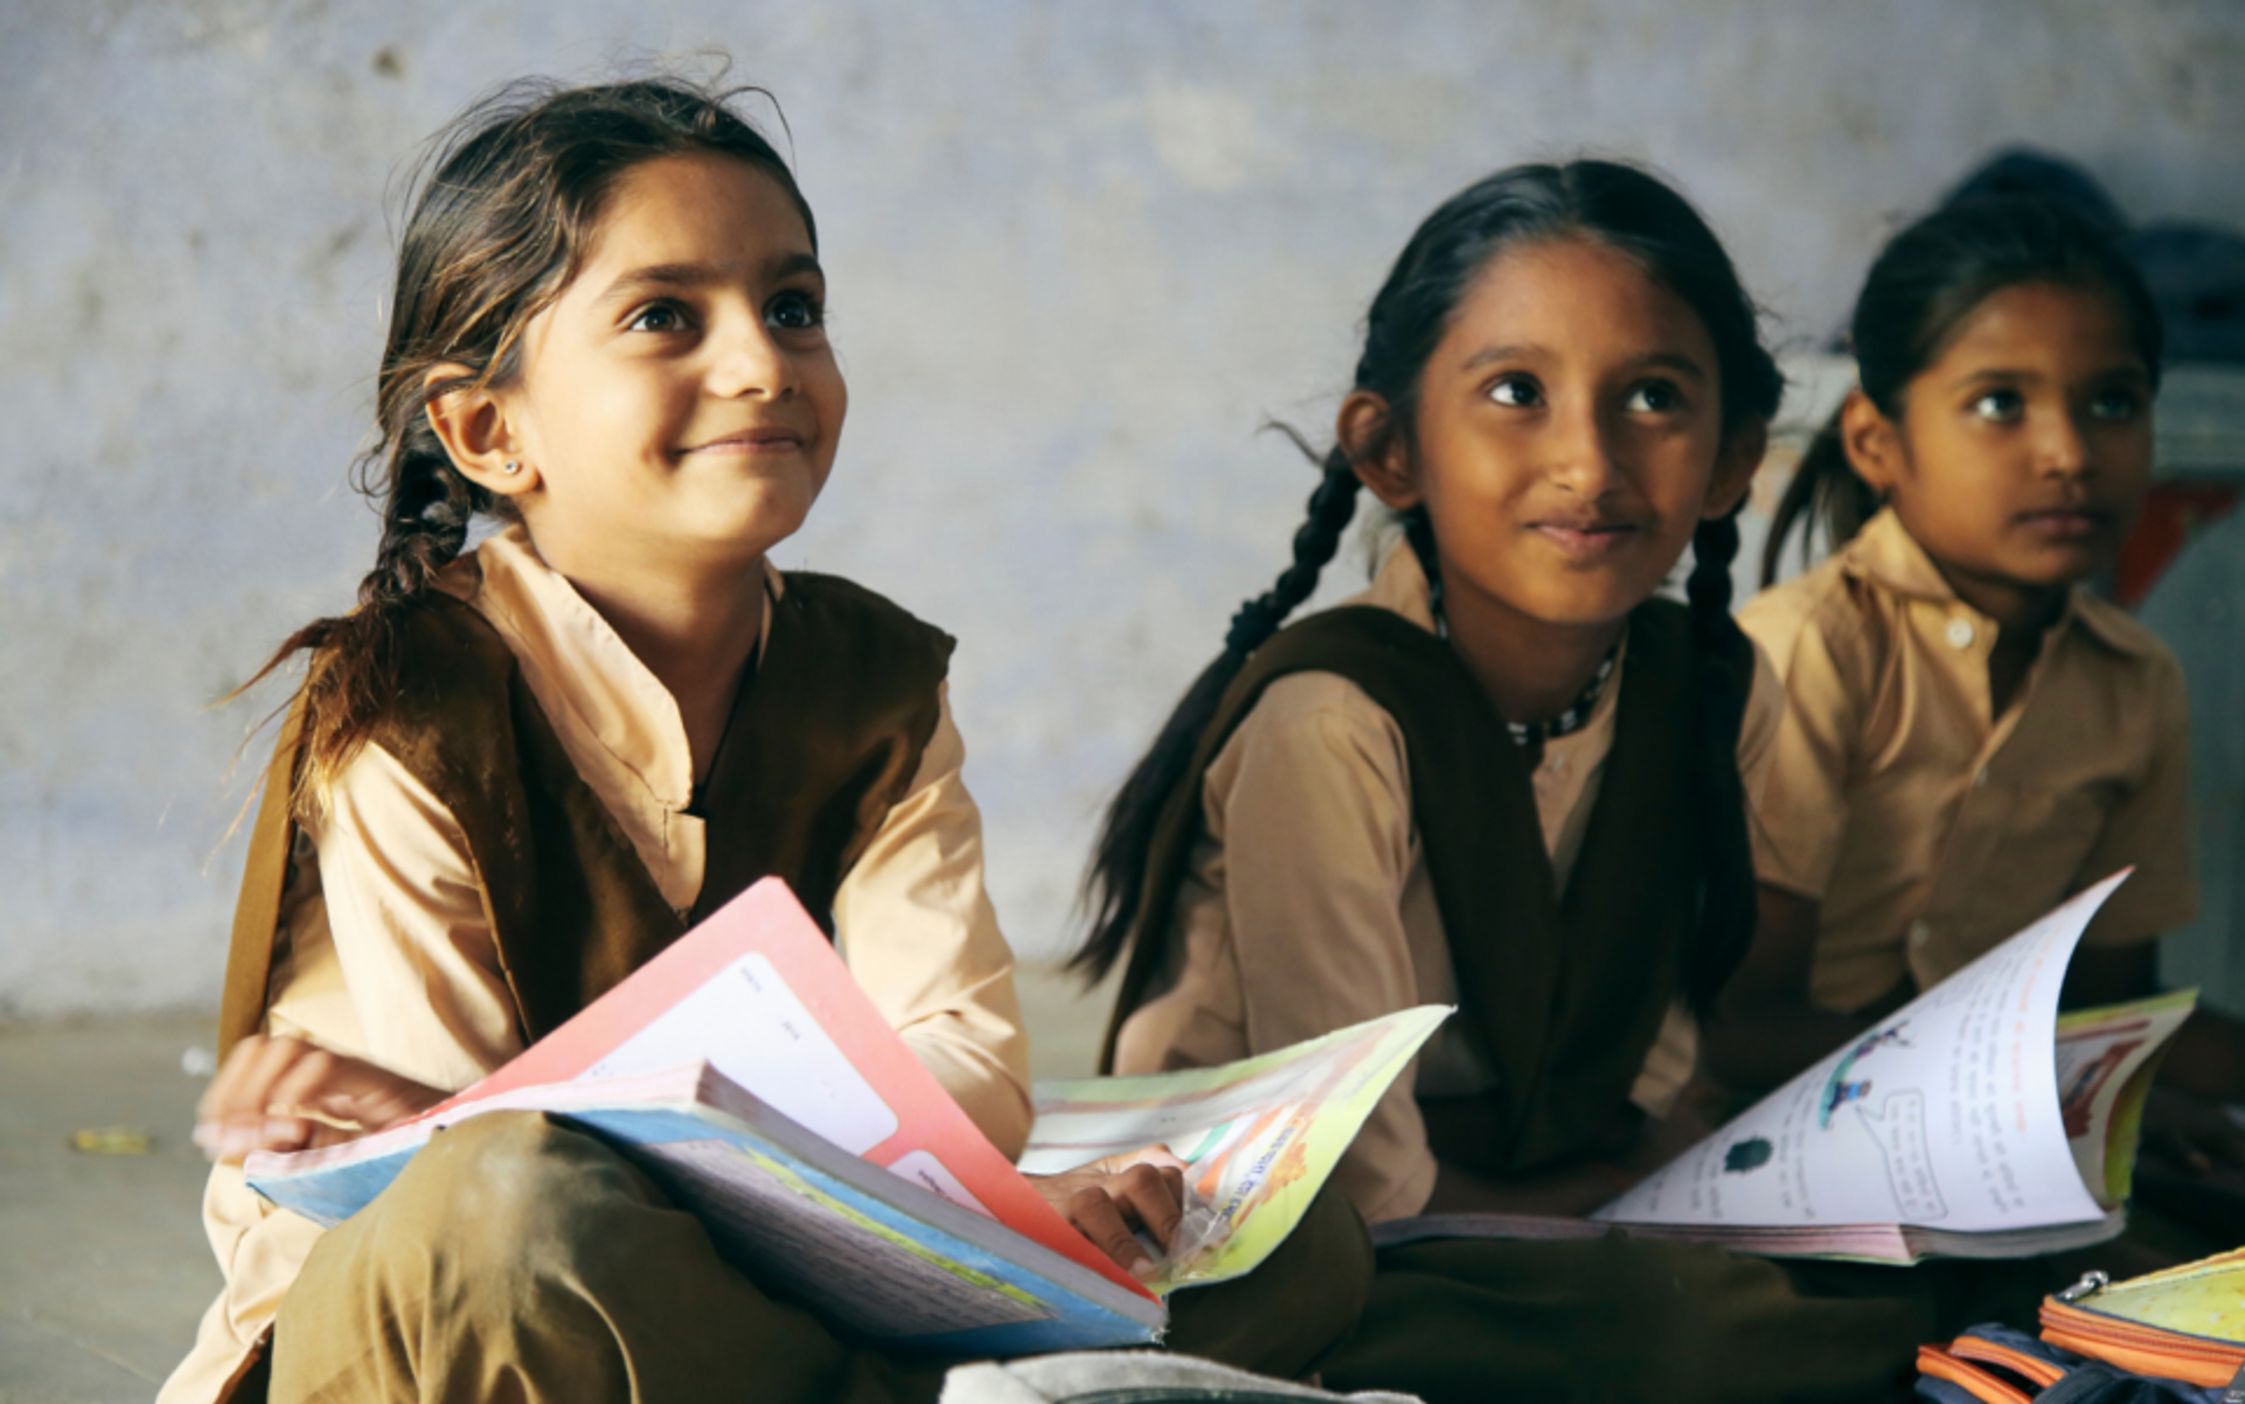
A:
1968	736
516	772
1507	778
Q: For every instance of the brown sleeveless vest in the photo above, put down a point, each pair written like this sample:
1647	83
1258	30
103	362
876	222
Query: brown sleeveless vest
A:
824	739
1565	994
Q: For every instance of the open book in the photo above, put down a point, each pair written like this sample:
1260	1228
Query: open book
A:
745	1071
1261	1135
1974	1122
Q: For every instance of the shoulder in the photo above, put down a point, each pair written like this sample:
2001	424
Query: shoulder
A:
1765	708
2136	671
1829	613
847	615
1308	727
454	680
2134	648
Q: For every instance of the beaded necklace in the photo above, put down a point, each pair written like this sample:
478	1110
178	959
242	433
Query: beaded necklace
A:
1529	736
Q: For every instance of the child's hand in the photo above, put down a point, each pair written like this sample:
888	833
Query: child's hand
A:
271	1089
1106	1198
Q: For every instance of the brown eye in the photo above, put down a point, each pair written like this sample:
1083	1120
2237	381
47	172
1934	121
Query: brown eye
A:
657	317
2000	406
1517	391
2116	406
1656	397
795	311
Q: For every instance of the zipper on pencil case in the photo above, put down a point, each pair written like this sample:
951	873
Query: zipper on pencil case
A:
2033	1367
2151	1350
1936	1363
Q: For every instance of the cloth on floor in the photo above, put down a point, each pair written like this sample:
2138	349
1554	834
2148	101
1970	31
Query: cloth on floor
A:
1141	1377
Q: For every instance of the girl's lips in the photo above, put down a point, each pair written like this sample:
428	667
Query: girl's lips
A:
2066	524
1585	541
757	442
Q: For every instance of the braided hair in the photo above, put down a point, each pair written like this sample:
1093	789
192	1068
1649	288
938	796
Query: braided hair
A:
1602	201
504	206
1922	286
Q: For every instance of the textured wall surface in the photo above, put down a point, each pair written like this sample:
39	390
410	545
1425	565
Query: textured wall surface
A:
1077	253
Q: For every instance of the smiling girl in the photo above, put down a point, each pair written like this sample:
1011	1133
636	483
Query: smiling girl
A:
1506	771
1509	778
517	770
1969	735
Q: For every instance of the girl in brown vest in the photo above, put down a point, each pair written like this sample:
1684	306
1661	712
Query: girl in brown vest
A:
1506	777
516	772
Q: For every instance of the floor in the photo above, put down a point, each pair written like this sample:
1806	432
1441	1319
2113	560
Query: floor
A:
106	1272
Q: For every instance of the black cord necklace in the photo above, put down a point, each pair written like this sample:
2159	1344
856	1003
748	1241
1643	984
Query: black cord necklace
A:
1529	736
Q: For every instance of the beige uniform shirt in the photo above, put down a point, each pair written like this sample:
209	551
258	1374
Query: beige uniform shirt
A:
1926	827
384	953
1308	906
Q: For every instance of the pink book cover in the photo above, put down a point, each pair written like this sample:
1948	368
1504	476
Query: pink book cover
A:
759	992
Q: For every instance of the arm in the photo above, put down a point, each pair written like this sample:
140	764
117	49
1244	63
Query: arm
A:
1310	805
1765	1028
918	930
924	943
428	1010
2150	829
1796	758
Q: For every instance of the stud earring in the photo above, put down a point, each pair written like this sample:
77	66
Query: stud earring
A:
512	467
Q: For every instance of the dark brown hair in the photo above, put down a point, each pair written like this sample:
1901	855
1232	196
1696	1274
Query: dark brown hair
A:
503	206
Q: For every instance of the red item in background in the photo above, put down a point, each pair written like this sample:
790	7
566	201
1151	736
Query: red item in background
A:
2173	513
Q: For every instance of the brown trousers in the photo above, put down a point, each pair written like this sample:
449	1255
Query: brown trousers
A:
515	1259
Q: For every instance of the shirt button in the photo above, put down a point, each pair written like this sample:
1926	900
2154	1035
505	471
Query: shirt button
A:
1920	933
1980	778
1959	633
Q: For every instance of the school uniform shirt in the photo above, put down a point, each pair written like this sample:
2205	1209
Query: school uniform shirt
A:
1928	828
1322	914
384	953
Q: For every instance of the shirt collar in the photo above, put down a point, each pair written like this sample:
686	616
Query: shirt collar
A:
574	659
1885	554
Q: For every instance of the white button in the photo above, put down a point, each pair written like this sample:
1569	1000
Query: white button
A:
1920	933
1959	633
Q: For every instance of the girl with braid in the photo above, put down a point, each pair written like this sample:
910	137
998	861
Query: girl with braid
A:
1508	778
518	770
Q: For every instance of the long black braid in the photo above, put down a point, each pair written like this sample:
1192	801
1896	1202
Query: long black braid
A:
1126	838
1724	660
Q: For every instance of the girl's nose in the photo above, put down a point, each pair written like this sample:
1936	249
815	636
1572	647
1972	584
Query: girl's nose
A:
749	362
1582	453
2061	446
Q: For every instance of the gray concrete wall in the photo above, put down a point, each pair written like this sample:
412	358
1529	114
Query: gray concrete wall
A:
1077	252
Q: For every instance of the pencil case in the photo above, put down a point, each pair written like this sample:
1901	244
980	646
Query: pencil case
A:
2175	1337
2186	1323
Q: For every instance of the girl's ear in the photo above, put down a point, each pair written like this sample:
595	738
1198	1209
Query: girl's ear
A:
1365	430
1735	463
1874	448
472	424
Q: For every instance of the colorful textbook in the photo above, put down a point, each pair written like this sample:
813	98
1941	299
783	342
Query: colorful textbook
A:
1976	1121
748	1074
